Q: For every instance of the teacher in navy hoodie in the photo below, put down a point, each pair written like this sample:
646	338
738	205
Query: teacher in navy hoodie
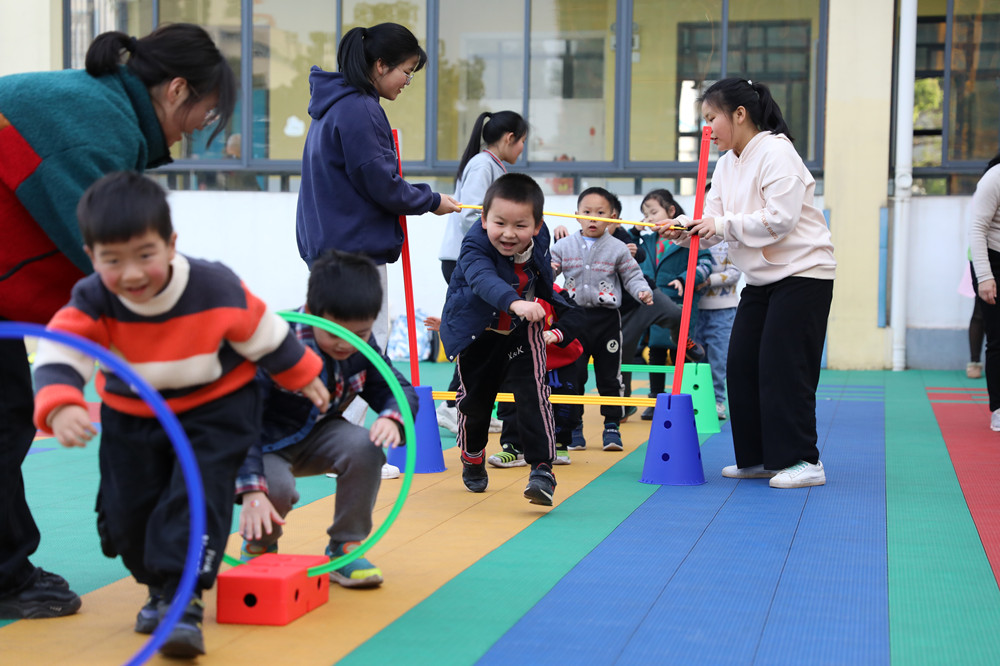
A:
351	194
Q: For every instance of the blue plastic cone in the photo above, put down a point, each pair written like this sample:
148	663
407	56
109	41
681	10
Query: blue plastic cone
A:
430	457
673	455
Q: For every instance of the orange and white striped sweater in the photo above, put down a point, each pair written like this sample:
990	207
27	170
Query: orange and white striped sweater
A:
199	339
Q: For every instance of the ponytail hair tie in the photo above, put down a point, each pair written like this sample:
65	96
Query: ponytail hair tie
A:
364	32
131	45
750	83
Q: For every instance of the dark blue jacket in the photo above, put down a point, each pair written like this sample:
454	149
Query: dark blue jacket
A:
351	194
484	285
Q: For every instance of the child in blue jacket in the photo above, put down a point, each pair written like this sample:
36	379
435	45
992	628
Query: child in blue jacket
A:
299	441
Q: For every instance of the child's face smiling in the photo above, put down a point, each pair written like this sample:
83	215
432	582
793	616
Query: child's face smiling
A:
137	269
594	205
336	347
510	226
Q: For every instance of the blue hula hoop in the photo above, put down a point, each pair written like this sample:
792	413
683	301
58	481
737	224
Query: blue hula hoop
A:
185	456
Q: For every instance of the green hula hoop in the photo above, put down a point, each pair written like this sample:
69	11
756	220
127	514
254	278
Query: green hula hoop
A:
408	429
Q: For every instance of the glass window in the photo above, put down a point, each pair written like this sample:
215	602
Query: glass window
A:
288	39
89	18
973	106
221	19
571	94
480	67
408	112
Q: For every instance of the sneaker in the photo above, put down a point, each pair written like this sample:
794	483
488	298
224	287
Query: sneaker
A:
720	410
390	471
578	443
612	438
496	425
148	618
248	551
474	474
995	421
447	417
357	574
974	370
629	411
800	475
509	456
562	456
647	414
752	472
541	486
694	353
185	640
48	596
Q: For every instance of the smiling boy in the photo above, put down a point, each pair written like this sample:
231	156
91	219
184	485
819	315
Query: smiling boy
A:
493	327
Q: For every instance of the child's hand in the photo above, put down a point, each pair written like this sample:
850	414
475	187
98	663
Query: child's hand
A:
560	232
317	393
257	516
527	310
646	297
664	230
632	248
432	323
447	205
71	425
385	433
550	337
678	285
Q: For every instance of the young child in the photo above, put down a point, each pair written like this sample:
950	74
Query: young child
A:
716	312
493	327
195	332
666	263
761	202
598	269
497	138
297	440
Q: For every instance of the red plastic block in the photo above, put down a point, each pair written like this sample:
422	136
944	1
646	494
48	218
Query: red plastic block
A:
271	589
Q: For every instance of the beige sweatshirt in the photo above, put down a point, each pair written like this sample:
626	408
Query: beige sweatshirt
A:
762	202
984	226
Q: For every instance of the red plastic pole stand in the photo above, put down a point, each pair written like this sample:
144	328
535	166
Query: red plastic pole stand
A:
271	589
699	207
411	319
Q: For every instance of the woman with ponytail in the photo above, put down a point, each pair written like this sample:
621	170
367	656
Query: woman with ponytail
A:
496	138
59	133
351	195
761	202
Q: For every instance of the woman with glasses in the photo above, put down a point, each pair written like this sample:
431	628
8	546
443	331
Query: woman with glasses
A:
59	133
351	195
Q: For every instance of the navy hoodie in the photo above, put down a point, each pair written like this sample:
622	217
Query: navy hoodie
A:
352	194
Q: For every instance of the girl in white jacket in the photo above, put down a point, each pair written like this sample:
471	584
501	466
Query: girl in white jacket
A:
761	203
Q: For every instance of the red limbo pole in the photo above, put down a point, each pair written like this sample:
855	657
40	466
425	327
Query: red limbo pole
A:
411	319
699	207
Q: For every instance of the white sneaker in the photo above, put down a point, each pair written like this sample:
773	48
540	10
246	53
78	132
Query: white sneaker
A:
390	471
754	472
562	457
720	410
800	475
995	421
974	370
447	417
496	425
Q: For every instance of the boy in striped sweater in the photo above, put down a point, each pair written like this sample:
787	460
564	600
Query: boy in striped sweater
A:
194	331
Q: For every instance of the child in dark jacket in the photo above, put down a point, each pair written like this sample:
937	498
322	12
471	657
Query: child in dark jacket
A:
494	328
299	441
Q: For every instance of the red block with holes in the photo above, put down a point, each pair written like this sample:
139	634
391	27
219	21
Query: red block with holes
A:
271	589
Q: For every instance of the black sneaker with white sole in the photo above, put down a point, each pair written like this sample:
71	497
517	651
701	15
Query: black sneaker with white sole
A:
541	486
474	474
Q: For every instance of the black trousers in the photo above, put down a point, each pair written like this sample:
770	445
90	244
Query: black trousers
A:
562	381
144	501
517	362
991	323
663	312
775	353
19	535
601	337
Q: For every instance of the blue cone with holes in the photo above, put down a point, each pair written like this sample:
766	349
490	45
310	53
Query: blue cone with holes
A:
673	455
430	456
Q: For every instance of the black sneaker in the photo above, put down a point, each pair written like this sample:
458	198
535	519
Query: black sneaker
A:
148	618
185	640
612	438
474	475
541	486
694	353
629	411
578	443
48	595
647	414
